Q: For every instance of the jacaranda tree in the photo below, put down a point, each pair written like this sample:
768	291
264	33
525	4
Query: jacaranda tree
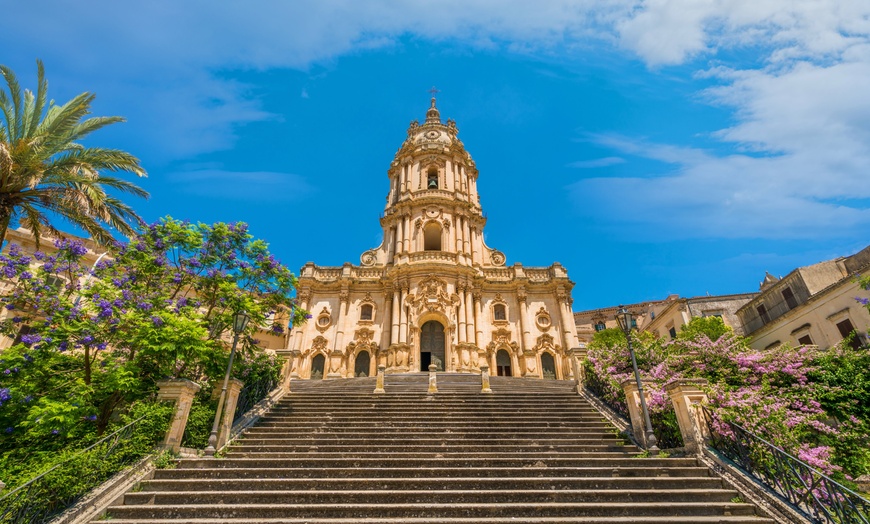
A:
158	307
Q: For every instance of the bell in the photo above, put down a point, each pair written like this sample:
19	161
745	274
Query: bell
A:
433	183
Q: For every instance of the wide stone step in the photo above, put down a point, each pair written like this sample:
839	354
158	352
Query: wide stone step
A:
399	484
445	472
470	461
432	447
446	496
501	509
317	452
459	520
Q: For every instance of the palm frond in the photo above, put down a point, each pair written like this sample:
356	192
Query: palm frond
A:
13	123
92	124
41	98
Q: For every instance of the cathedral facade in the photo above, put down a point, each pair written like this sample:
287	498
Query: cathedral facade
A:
433	292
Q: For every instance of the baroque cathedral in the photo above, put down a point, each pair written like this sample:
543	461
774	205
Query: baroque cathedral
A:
433	292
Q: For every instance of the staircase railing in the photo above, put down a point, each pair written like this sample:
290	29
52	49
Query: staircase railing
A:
253	393
44	497
819	497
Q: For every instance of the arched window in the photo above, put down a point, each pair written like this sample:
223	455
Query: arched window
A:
432	178
432	237
366	312
499	312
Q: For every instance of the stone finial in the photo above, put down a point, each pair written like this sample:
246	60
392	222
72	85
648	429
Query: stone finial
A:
379	383
687	398
433	379
181	391
484	379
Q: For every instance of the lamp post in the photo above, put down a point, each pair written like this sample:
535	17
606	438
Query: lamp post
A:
240	321
623	316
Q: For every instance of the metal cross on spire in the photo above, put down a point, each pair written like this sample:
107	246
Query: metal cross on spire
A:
434	91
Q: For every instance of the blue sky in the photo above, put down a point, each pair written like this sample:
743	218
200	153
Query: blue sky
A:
652	147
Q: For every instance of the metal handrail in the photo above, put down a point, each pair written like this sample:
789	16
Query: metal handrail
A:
13	511
819	497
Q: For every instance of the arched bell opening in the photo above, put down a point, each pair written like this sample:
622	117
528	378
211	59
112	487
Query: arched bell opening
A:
432	345
362	364
432	237
503	364
548	366
318	364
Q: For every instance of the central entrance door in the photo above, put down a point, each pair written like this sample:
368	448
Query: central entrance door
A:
432	345
503	363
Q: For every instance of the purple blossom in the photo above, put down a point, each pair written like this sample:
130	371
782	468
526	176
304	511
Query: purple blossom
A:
55	432
157	321
863	301
63	345
5	395
87	340
26	275
30	339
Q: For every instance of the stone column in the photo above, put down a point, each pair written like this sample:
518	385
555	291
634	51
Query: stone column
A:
343	305
475	250
478	322
566	316
182	392
407	234
403	317
632	398
400	235
299	333
388	316
466	232
688	397
462	328
458	228
469	316
234	387
524	319
396	310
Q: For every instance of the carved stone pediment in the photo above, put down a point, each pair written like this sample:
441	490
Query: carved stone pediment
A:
432	296
501	339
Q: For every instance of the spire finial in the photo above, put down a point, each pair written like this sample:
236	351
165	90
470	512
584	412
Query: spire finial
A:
432	115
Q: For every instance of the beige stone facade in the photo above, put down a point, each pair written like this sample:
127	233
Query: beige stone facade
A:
813	304
433	291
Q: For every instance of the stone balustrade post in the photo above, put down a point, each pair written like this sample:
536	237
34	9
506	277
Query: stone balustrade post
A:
181	391
687	398
484	379
433	379
234	387
632	399
379	384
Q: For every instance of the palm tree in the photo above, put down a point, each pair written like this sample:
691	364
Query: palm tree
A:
45	171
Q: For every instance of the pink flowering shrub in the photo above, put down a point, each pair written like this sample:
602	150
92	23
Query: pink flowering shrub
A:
814	404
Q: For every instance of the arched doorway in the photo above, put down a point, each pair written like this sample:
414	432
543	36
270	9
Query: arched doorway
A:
548	366
362	364
432	345
317	365
503	363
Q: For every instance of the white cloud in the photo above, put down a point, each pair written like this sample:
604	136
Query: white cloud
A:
597	162
241	185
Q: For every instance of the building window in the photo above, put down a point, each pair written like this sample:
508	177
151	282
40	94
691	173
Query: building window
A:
805	340
432	179
762	312
672	332
499	312
366	312
599	326
773	345
432	237
846	328
633	323
789	298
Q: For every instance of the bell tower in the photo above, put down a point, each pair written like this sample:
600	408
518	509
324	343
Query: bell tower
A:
433	209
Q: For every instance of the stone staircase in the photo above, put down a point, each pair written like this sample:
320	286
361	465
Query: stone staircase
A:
331	452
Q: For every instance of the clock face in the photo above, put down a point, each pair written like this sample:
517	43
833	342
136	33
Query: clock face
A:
432	135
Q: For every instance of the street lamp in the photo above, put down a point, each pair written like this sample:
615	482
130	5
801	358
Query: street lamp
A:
240	320
623	316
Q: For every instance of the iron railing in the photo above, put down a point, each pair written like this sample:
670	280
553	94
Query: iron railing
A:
253	393
817	496
44	497
598	387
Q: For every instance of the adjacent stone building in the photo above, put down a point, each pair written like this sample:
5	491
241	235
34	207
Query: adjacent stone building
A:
813	304
433	292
